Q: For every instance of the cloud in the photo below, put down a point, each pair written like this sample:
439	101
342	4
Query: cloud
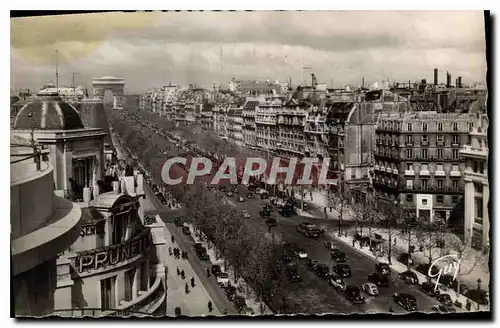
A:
154	49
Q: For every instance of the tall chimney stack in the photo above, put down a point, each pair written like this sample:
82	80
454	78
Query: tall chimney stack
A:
436	82
363	83
459	84
448	79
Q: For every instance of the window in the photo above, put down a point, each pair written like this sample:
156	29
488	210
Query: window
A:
454	153
454	184
478	206
108	293
409	184
474	166
425	139
409	166
424	183
424	153
440	138
481	167
440	126
410	127
424	126
440	153
439	199
424	201
424	167
469	140
478	187
439	167
471	126
454	167
409	153
409	198
455	126
129	282
454	199
440	183
456	139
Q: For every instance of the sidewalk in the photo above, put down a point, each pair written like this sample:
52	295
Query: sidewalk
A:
196	302
400	267
317	203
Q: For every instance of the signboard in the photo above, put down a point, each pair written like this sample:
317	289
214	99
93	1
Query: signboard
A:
92	229
111	255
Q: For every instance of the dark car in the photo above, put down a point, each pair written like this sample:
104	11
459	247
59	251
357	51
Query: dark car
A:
444	299
378	279
230	292
322	270
198	246
216	269
223	188
239	302
407	301
342	270
178	222
405	259
293	274
449	281
264	195
430	289
443	309
202	254
383	268
229	194
250	195
353	294
186	231
271	222
424	269
339	257
409	277
478	296
311	263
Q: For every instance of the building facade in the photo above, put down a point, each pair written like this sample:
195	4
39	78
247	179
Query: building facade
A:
477	191
266	124
248	114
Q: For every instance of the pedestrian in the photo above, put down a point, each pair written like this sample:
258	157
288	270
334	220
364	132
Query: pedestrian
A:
186	288
170	251
192	282
208	272
225	312
178	271
394	241
391	310
209	306
172	239
183	275
311	194
353	242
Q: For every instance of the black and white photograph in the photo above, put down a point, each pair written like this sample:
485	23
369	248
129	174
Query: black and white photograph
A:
253	164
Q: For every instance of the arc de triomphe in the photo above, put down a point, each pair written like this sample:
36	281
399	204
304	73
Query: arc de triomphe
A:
114	84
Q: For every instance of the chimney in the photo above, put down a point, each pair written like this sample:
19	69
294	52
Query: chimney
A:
436	82
313	80
363	82
448	79
459	83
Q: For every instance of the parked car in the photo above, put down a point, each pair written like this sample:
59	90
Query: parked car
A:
250	195
353	294
370	288
405	259
247	311
178	222
424	269
440	308
246	215
271	222
293	274
239	302
223	188
222	279
339	257
229	194
322	270
264	195
449	281
186	231
409	277
312	263
230	292
216	269
478	296
342	270
338	282
430	289
198	246
378	279
301	253
202	254
407	301
330	245
241	199
445	299
383	268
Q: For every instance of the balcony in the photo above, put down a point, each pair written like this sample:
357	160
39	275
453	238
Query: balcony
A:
440	173
440	143
382	155
424	172
434	189
395	171
409	172
478	221
388	170
409	143
455	174
424	143
476	152
376	167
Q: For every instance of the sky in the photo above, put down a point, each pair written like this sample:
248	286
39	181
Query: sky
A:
341	47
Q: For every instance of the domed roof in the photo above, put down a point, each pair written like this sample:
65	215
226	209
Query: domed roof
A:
48	112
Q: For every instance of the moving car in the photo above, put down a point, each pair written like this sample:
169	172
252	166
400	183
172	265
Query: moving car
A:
342	270
292	273
309	230
378	279
178	222
271	222
264	195
250	195
407	301
338	283
409	277
322	270
222	279
230	292
186	231
266	211
339	257
330	246
301	253
353	294
370	288
444	299
216	269
247	311
239	302
229	194
440	308
246	215
312	263
430	289
202	254
405	259
383	268
241	199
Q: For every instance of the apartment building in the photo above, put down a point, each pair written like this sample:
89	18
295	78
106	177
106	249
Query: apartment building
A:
291	121
477	191
235	125
220	121
418	161
248	113
266	124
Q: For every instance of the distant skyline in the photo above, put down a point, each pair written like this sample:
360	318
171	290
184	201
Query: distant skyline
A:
153	49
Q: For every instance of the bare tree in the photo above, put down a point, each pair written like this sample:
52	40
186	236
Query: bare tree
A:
430	235
339	199
390	217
